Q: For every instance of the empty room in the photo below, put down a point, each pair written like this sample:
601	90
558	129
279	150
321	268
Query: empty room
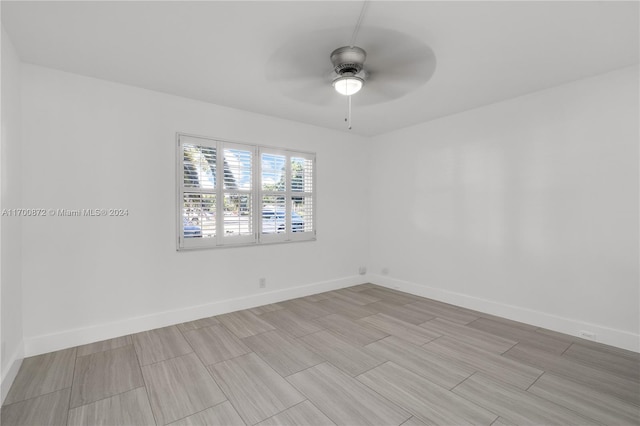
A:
320	213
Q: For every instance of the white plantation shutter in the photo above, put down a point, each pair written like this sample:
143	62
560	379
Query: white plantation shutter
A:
233	194
237	204
273	196
198	192
301	196
287	195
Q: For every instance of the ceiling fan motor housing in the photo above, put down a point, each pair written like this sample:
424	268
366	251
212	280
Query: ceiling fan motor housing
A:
348	59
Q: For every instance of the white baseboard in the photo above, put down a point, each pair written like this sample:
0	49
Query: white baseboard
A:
606	335
10	375
69	338
80	336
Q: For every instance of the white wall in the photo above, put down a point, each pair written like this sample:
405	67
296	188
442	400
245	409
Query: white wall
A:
94	144
10	227
527	208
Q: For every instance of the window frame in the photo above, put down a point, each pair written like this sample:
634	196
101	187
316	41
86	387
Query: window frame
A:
255	195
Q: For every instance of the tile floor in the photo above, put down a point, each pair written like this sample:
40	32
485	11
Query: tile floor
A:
365	355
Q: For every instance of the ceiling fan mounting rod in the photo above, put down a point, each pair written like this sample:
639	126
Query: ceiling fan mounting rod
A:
358	24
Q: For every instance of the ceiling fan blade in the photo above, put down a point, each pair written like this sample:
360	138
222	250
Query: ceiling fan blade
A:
396	64
310	88
302	70
400	80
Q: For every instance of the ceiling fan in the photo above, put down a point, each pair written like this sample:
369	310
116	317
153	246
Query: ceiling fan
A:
348	62
389	63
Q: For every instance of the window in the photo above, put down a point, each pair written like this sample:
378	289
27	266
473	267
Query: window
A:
286	195
236	194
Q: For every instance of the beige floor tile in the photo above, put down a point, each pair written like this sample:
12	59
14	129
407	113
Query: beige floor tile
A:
347	309
526	337
630	355
46	410
444	311
350	330
304	413
404	330
43	374
160	344
496	366
128	408
199	323
425	355
599	380
507	322
412	316
389	297
414	422
290	322
104	345
259	310
214	344
502	422
352	359
355	297
222	414
179	387
361	287
487	341
320	296
606	360
256	391
345	400
582	399
305	309
445	372
103	374
244	323
282	353
516	405
424	399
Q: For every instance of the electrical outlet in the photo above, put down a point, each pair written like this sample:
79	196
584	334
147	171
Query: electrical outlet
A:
589	335
263	282
362	270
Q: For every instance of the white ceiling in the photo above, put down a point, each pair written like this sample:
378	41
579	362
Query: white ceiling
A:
220	52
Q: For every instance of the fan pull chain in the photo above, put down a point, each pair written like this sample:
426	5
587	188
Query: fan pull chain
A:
348	119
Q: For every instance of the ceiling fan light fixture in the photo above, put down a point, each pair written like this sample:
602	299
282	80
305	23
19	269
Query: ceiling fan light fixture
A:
348	85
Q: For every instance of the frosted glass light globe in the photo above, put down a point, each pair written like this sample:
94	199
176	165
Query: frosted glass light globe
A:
348	85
